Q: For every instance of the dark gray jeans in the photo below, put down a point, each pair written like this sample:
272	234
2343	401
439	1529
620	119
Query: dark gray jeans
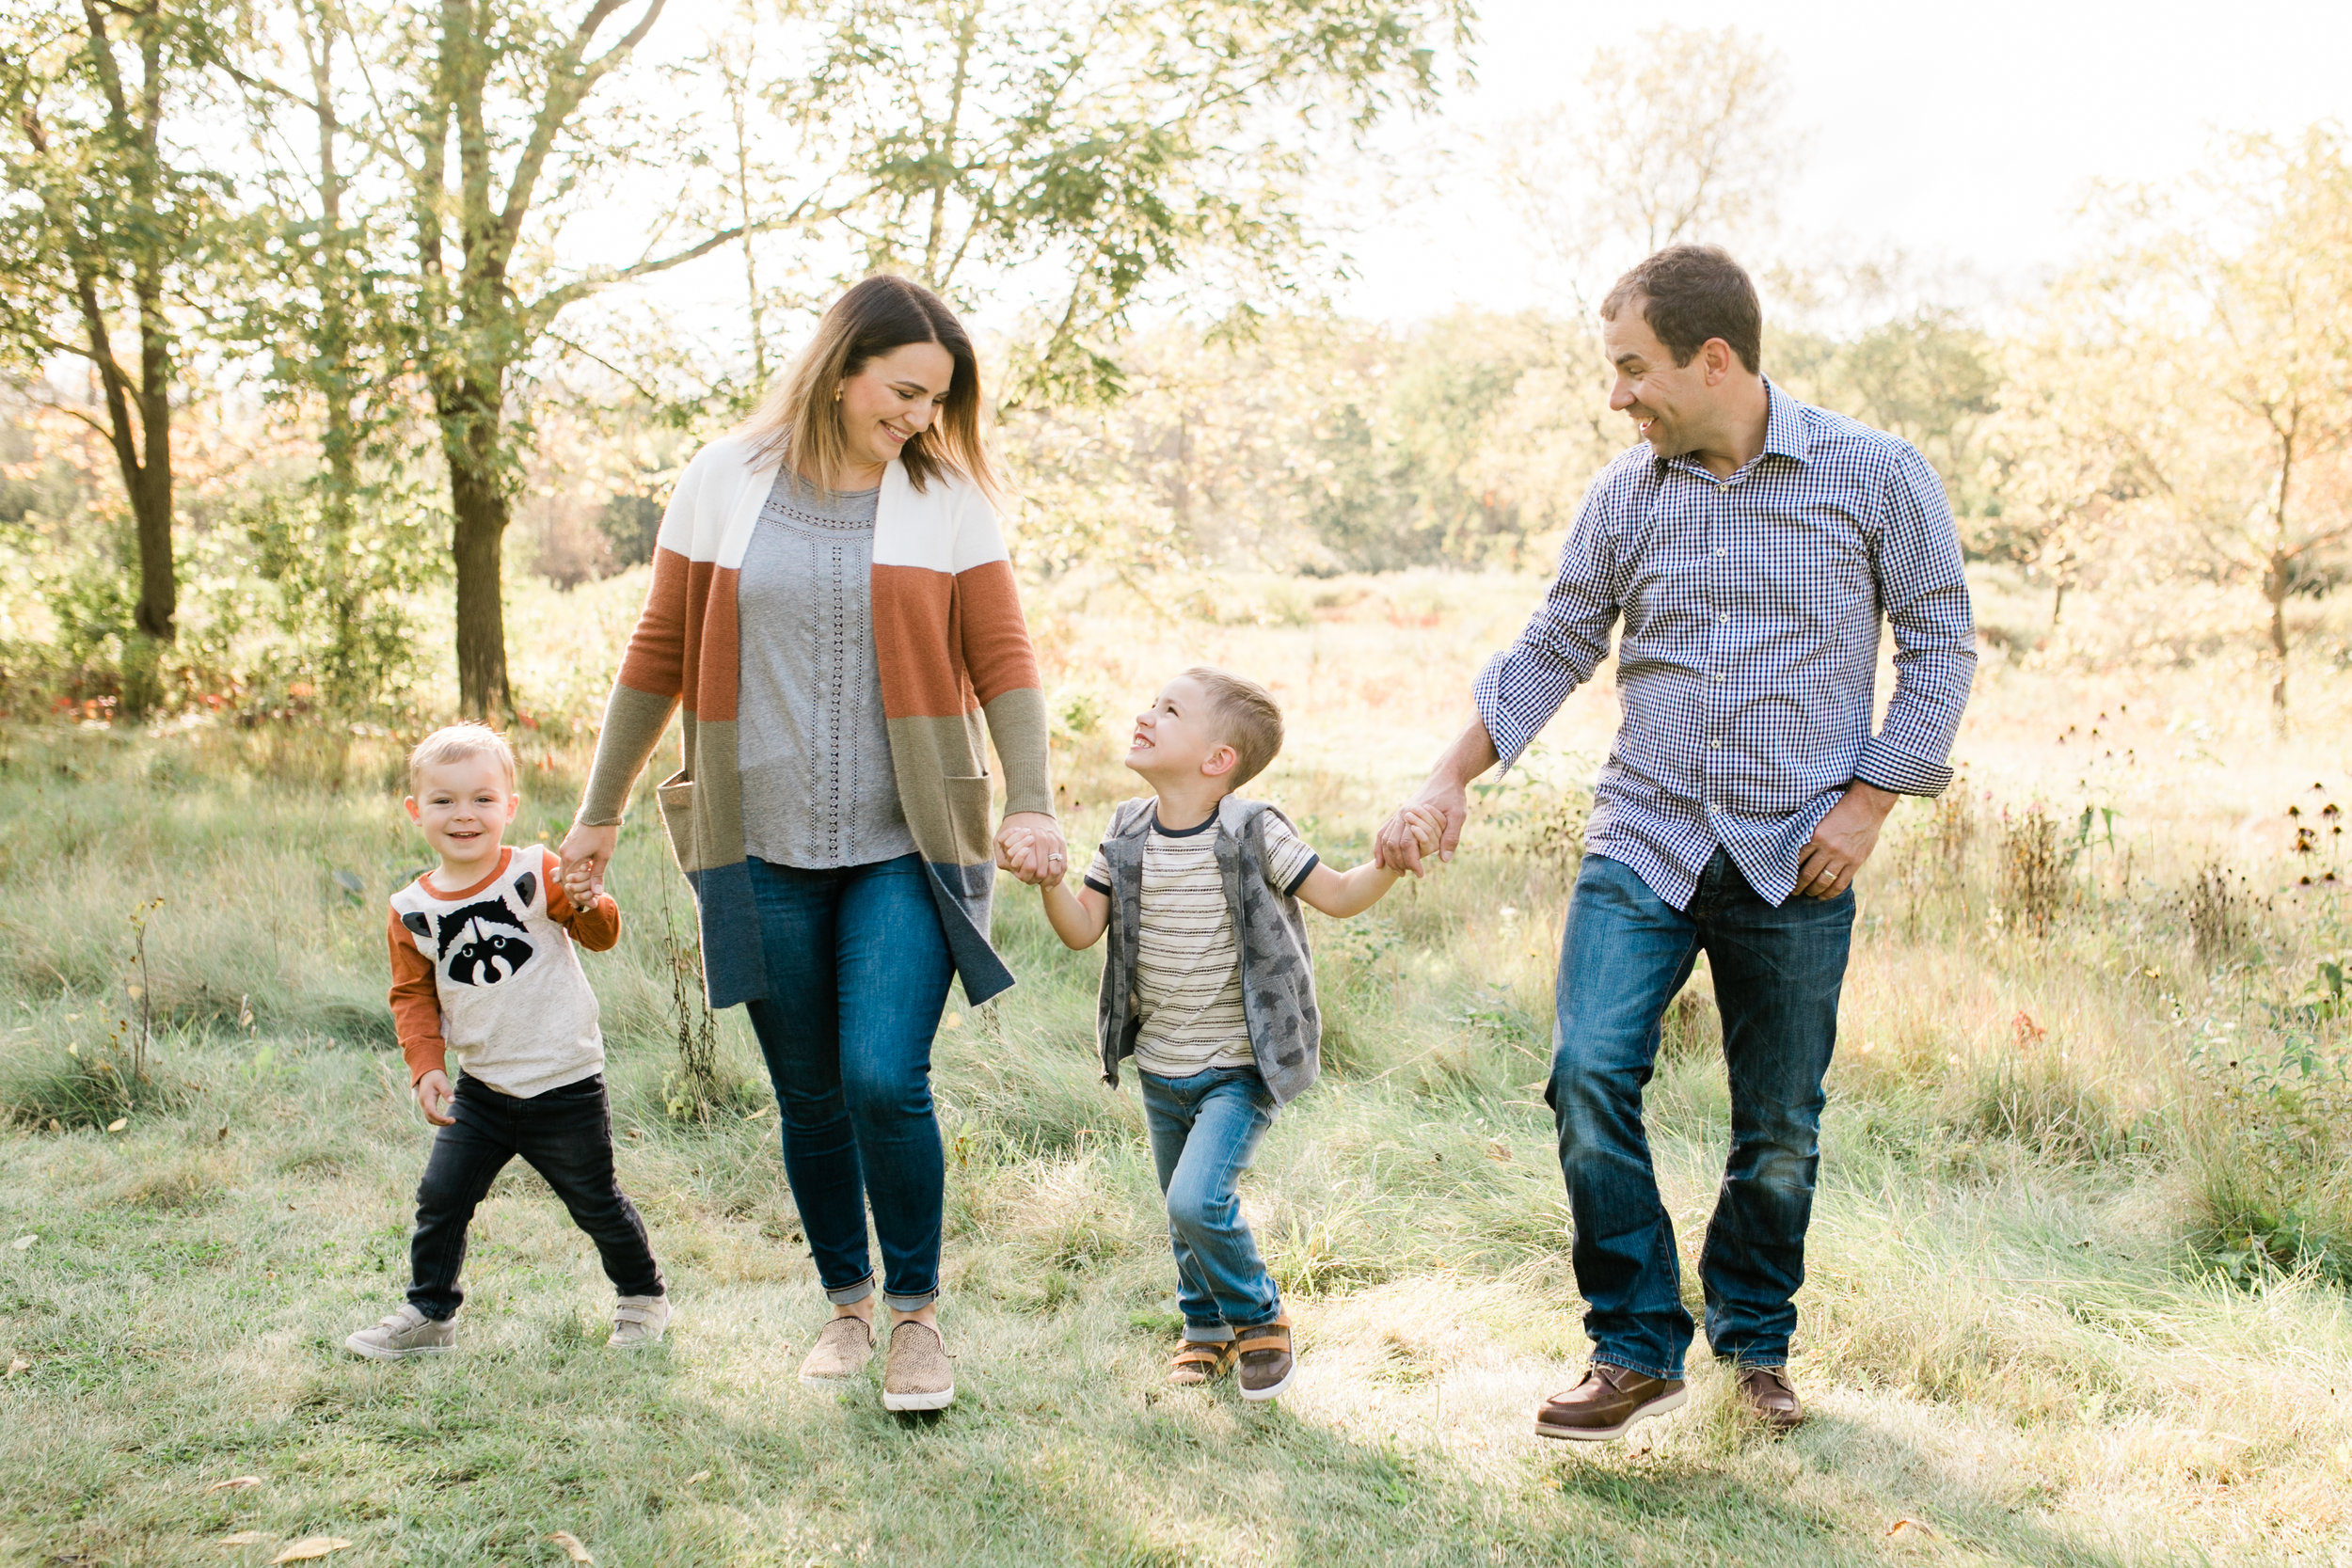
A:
565	1136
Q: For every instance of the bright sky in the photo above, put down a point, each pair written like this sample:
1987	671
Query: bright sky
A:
1963	136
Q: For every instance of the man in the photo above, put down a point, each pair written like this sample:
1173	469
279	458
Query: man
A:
1750	543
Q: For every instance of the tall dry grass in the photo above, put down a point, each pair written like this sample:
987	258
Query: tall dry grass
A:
2076	1287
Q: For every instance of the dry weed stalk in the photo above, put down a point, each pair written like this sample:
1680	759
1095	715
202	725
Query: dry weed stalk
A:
2033	869
2219	913
692	1091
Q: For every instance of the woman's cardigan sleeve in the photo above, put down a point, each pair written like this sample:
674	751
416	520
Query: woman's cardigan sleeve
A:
652	678
1001	660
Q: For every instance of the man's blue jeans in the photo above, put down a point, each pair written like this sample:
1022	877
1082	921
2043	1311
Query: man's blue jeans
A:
857	976
1777	975
1205	1130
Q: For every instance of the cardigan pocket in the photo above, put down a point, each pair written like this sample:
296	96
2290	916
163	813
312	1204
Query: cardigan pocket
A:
677	796
968	810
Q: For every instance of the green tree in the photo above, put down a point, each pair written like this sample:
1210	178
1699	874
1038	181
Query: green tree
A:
317	303
1107	146
492	133
2213	385
1677	137
112	228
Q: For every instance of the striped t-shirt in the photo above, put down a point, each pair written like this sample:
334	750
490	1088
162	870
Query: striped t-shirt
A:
1187	970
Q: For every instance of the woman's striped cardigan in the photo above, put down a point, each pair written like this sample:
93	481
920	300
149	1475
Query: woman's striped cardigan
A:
952	648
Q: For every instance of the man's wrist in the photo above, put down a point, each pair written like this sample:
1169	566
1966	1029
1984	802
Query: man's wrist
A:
1866	793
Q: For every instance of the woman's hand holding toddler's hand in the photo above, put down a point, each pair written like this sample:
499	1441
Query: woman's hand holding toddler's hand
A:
585	852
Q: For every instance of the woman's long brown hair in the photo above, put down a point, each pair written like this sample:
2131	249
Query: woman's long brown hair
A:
803	416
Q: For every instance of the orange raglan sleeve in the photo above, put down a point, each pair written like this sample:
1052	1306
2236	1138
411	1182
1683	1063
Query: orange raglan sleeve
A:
416	1003
595	928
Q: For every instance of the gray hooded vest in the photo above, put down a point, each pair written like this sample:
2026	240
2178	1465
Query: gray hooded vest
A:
1278	976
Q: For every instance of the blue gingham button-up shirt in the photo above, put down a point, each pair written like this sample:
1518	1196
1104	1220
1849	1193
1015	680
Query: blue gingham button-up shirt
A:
1750	651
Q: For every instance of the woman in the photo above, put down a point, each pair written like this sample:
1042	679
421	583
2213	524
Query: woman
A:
832	605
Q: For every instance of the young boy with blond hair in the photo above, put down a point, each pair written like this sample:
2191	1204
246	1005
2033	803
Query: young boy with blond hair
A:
1208	985
484	971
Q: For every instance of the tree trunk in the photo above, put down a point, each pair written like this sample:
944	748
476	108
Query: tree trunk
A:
151	492
477	545
347	681
2275	589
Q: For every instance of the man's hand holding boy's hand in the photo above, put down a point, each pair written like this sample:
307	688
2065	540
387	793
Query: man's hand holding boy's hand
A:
1426	828
434	1098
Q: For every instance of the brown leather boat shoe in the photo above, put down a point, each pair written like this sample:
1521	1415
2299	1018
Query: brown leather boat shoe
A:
1766	1393
1609	1401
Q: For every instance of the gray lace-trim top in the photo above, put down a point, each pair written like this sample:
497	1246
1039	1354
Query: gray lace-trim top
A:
815	750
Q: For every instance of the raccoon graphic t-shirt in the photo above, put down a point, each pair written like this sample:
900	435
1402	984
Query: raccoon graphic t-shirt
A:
487	974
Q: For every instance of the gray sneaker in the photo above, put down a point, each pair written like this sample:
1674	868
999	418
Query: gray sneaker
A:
638	1320
405	1333
841	1351
918	1375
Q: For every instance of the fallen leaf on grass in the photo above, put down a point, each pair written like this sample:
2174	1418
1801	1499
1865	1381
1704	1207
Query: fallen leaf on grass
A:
118	1124
234	1483
697	1477
243	1538
17	1364
1907	1523
572	1548
310	1546
23	1241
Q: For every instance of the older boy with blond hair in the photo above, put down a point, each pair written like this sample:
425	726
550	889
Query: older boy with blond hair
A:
1209	985
484	971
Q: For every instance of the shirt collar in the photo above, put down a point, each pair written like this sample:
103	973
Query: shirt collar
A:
1786	434
1785	431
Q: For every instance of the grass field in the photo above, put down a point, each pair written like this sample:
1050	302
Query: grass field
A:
2077	1269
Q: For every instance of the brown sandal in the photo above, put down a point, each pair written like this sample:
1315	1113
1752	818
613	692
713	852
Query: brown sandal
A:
1266	1363
1200	1361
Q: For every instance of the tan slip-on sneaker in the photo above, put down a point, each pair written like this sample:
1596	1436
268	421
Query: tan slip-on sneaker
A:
405	1331
1267	1365
917	1375
1609	1401
638	1320
1200	1361
843	1347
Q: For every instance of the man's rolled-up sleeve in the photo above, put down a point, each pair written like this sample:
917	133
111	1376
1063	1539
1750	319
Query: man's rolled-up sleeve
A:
1567	636
1924	590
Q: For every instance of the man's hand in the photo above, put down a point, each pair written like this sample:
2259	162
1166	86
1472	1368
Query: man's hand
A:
584	853
1029	844
1844	840
435	1097
1425	829
1443	801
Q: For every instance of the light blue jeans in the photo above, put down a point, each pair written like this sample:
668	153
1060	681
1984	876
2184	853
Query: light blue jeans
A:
1205	1130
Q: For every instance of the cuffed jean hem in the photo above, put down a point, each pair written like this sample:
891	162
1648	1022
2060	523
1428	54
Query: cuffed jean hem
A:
1604	1359
849	1295
1754	1360
909	1303
1208	1334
